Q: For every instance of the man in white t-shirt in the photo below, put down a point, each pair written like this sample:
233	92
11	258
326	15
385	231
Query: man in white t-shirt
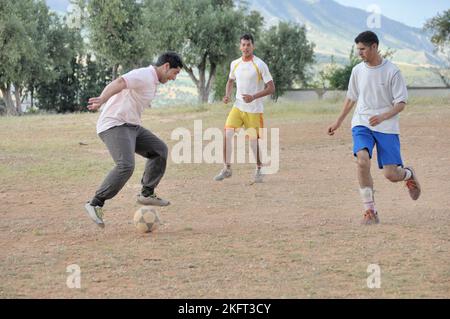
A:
253	82
378	88
119	126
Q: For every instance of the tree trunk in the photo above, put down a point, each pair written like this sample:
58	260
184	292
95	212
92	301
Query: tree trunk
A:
320	92
212	78
442	75
201	87
114	71
18	100
32	98
6	92
203	93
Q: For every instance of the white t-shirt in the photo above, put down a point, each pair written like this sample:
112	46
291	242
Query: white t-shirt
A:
250	78
376	90
127	106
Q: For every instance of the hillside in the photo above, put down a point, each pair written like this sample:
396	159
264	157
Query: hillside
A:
332	27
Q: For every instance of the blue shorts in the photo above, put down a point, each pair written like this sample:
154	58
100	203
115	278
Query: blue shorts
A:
388	145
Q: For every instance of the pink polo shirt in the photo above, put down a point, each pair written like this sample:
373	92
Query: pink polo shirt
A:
127	106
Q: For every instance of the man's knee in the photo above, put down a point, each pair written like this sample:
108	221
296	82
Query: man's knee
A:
164	151
363	160
126	168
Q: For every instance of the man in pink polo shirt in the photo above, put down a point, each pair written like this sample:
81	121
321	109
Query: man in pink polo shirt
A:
119	127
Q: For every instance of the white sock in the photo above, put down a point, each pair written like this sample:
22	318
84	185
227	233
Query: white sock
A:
408	174
367	198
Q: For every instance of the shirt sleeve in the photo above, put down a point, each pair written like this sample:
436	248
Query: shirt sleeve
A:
265	73
399	90
138	79
232	76
352	92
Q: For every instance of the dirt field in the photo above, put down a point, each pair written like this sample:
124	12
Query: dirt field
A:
297	235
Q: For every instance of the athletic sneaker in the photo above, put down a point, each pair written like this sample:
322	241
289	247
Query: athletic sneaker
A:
224	173
95	213
413	185
258	176
370	217
152	200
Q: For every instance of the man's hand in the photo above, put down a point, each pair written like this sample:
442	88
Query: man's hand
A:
95	103
113	88
248	98
377	119
226	99
333	127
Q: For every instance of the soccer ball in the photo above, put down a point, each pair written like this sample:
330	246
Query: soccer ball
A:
146	219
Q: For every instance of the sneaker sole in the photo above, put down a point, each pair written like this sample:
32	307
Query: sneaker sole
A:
366	223
218	179
152	204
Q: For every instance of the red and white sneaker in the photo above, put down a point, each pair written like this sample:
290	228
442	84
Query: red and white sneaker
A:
413	185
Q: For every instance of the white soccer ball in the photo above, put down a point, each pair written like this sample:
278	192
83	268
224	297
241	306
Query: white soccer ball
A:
146	219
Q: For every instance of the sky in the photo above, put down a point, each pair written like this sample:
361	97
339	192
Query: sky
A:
410	12
58	5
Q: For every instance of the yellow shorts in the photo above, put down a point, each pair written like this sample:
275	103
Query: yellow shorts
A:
251	121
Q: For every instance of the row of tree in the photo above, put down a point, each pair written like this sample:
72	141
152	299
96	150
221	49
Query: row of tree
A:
42	57
205	32
61	61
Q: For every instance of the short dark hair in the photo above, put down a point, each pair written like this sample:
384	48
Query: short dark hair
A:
367	38
172	58
247	37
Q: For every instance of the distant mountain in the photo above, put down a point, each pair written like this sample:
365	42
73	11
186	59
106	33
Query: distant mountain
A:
332	27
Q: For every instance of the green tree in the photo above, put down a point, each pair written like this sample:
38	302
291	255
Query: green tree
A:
205	32
339	76
288	53
60	92
221	81
96	74
16	48
38	69
117	34
25	60
440	28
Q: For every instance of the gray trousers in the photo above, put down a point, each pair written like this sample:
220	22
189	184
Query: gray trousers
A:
122	142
